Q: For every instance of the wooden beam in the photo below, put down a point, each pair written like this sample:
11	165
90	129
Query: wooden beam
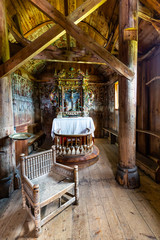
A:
34	29
77	62
148	54
112	79
13	29
145	10
68	57
49	56
66	14
153	79
154	5
115	38
155	22
4	44
94	30
24	42
47	38
83	38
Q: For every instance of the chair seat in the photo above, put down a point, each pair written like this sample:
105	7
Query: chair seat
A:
52	184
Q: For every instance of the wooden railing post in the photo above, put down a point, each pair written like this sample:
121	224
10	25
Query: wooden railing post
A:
74	144
127	174
54	153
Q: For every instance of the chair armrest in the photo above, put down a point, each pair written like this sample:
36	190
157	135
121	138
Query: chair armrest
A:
28	182
32	190
64	166
63	170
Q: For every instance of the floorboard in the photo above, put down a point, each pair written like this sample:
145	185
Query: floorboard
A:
106	210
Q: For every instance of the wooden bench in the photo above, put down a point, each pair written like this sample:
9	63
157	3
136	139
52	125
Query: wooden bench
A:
112	135
149	164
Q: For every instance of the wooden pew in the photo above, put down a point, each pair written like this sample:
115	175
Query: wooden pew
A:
150	165
112	135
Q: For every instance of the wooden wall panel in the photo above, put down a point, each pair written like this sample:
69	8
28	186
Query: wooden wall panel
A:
25	100
142	109
154	104
148	107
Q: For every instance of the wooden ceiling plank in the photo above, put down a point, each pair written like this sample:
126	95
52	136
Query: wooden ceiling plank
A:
47	38
83	38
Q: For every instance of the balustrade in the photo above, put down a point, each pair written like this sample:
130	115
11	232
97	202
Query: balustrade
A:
80	144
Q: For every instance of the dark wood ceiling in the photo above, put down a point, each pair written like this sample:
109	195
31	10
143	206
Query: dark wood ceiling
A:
26	23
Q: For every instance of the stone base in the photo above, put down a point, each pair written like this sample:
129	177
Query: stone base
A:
81	160
128	177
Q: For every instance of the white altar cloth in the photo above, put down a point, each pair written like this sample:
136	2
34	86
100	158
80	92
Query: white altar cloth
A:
73	125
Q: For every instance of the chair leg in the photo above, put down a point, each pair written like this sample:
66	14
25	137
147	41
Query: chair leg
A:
77	198
76	185
23	198
37	216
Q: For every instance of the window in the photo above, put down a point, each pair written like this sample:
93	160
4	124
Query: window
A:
116	87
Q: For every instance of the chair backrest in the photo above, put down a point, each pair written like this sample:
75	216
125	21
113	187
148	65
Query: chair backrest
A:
38	164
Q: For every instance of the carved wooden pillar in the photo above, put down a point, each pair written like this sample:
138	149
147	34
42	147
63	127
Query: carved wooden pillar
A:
127	174
7	148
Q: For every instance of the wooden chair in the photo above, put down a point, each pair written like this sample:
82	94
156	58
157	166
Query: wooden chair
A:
44	181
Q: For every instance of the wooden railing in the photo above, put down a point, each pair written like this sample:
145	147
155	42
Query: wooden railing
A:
79	144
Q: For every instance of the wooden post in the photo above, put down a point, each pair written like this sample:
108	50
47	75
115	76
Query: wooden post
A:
7	154
127	174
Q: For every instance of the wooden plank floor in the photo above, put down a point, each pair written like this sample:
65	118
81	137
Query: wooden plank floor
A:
106	210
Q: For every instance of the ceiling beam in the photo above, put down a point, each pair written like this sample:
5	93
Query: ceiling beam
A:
84	60
155	22
83	38
47	38
13	29
65	56
66	14
154	5
147	15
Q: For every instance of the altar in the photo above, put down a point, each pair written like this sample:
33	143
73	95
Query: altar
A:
72	126
73	129
73	139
